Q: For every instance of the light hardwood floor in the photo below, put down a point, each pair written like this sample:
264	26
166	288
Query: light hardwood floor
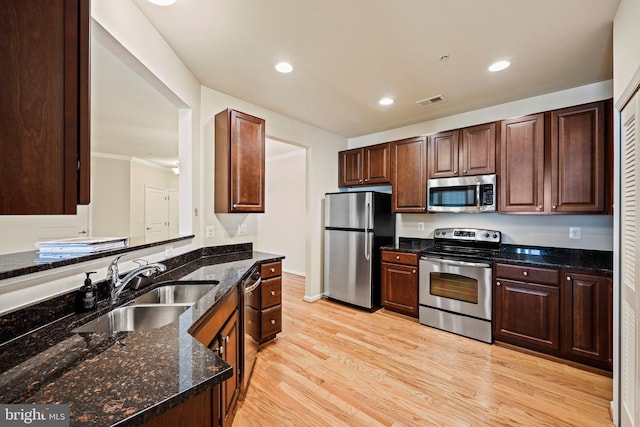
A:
333	365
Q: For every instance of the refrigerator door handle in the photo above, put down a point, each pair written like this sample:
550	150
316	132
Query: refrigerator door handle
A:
367	249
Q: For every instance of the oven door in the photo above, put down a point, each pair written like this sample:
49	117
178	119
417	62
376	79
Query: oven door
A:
459	287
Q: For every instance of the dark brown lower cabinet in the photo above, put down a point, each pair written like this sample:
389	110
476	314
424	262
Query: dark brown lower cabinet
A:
219	330
400	282
588	318
559	312
527	314
196	411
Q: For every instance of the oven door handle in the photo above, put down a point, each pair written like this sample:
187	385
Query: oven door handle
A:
458	263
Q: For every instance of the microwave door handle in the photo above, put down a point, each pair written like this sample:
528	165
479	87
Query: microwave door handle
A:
478	194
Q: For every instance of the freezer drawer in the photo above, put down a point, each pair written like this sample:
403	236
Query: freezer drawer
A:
348	257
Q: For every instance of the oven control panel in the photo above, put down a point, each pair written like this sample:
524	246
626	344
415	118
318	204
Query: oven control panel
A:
468	234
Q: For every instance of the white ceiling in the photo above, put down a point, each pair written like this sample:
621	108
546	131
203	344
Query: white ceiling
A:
349	53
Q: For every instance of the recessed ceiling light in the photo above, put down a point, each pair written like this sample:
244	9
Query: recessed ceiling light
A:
162	2
499	66
386	101
284	67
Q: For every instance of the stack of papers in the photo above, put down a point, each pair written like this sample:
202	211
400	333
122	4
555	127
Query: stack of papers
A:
78	246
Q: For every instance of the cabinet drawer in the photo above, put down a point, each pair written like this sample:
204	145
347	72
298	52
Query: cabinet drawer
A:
400	257
271	269
271	321
528	274
271	292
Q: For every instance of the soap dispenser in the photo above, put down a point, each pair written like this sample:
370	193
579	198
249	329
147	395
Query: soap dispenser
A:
88	294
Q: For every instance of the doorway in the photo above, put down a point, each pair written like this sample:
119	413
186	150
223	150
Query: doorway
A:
282	228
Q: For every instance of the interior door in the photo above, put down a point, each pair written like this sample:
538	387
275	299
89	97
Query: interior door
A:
629	272
156	214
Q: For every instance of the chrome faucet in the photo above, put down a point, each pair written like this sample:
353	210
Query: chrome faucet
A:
117	284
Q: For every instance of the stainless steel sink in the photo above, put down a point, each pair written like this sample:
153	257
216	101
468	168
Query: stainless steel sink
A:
134	318
175	294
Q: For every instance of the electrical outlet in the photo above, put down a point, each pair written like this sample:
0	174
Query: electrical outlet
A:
168	251
421	226
242	229
210	231
575	233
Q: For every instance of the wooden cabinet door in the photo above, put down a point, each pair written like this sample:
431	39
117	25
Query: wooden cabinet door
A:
478	150
587	317
409	175
350	170
239	162
44	125
521	178
231	354
196	411
578	159
527	314
377	164
400	288
443	154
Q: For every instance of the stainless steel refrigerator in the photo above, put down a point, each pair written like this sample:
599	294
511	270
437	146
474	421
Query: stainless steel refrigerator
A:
356	224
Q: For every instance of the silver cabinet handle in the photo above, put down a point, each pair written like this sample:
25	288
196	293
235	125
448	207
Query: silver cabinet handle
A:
272	293
569	278
524	273
273	270
219	350
397	256
413	271
498	283
273	322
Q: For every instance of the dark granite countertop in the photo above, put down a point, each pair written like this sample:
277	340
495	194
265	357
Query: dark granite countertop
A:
588	261
129	378
21	263
409	245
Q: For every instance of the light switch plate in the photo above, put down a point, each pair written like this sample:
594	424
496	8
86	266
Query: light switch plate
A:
421	226
210	231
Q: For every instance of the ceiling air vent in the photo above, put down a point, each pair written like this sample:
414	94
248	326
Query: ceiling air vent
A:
438	99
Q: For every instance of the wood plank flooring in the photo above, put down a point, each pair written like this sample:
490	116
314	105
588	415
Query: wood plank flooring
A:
333	365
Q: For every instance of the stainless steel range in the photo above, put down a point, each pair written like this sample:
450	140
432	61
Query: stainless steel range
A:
455	281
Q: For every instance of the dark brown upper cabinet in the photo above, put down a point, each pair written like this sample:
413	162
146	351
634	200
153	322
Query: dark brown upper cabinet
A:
463	152
409	175
578	159
239	162
44	108
364	166
557	162
521	175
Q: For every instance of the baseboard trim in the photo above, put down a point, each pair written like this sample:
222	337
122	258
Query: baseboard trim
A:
314	298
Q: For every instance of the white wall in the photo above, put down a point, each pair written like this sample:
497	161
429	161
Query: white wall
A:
545	230
282	228
322	176
110	201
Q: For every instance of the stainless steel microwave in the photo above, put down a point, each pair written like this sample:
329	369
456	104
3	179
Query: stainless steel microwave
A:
463	194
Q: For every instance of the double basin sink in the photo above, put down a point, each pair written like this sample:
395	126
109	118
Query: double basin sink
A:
152	310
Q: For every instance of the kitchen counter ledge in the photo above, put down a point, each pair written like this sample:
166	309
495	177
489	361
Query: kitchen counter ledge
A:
129	378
